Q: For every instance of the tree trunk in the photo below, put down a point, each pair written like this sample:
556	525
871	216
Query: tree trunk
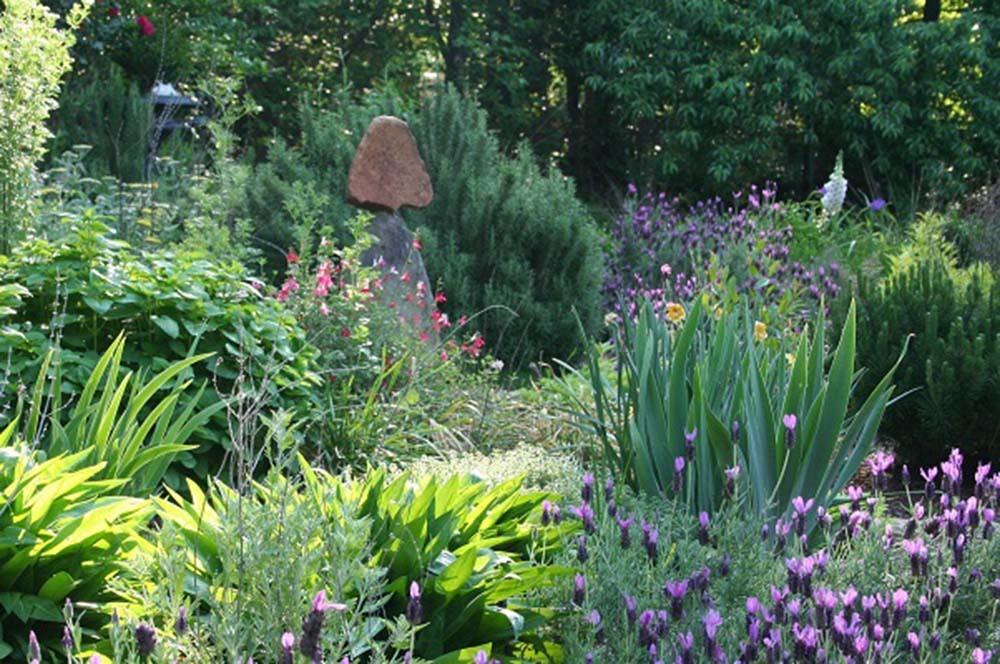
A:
932	10
455	54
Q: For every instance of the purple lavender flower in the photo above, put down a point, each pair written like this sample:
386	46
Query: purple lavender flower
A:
587	491
34	650
594	618
980	656
145	639
609	489
676	591
67	639
772	643
631	606
778	597
855	494
586	514
806	641
929	475
732	474
651	539
689	438
546	512
711	622
876	205
414	607
181	624
724	565
790	422
678	482
899	600
581	549
703	528
312	626
686	642
579	589
982	472
287	646
647	628
623	529
880	463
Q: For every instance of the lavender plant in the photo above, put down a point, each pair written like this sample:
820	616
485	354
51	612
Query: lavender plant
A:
657	585
434	569
663	252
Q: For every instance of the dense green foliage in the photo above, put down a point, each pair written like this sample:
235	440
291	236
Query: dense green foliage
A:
954	362
501	239
118	423
705	95
502	234
113	117
776	89
695	409
34	56
64	533
86	288
225	433
474	551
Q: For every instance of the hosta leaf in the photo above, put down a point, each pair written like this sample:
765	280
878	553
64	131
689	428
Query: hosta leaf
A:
167	324
57	587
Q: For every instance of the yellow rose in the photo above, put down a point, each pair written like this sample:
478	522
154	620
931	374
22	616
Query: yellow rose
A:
759	331
675	312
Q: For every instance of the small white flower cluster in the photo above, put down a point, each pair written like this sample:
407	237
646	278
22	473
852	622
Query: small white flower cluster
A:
835	189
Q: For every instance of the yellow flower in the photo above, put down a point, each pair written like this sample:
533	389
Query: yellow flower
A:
790	357
759	331
718	313
675	312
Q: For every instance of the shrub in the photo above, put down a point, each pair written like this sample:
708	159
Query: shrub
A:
500	237
112	116
87	288
65	534
857	589
953	365
500	233
261	560
697	406
681	96
474	553
34	55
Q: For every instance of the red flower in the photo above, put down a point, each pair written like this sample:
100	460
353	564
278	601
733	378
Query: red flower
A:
291	256
345	333
114	11
145	26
